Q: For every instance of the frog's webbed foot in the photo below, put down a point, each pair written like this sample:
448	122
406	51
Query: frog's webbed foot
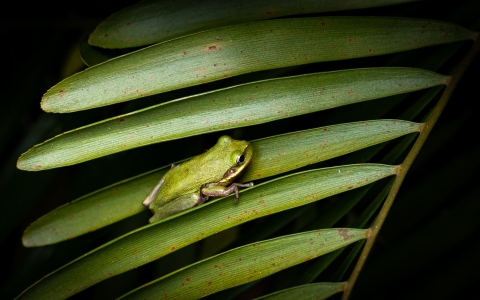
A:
235	187
215	189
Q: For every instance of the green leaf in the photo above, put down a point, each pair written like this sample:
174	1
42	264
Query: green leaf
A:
159	239
240	106
272	156
319	265
318	291
275	223
225	52
93	55
410	114
246	264
150	22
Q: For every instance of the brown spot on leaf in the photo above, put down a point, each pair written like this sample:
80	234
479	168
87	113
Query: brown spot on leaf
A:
344	233
121	120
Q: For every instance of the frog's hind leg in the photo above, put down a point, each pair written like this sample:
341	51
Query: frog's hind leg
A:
153	193
175	206
155	190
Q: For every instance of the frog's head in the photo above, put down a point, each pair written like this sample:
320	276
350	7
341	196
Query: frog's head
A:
240	154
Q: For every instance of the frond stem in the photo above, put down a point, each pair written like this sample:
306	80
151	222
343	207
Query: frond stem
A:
402	170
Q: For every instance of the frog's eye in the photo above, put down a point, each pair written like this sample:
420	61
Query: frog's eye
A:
240	159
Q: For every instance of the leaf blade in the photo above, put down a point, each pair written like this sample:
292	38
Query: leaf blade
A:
159	239
240	106
320	291
165	20
247	263
93	56
272	156
230	51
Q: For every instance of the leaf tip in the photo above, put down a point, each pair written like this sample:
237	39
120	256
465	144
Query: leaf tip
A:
21	163
93	39
47	104
44	105
102	37
34	235
27	242
24	163
90	39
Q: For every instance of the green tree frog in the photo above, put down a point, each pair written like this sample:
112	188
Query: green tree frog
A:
206	175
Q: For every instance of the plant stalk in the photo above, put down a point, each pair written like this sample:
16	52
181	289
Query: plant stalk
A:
432	119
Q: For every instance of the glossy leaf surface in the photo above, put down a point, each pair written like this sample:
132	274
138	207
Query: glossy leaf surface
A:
159	239
150	22
240	106
225	52
247	263
272	156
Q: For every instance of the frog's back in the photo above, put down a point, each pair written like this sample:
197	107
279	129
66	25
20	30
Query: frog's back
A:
188	178
208	167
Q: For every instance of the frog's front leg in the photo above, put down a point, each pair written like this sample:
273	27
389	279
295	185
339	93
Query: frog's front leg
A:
175	206
215	189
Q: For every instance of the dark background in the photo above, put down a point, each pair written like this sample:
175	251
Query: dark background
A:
428	247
